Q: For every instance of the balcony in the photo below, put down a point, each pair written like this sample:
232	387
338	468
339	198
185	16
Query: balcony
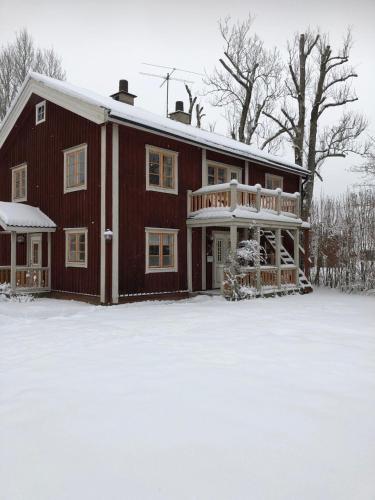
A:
241	200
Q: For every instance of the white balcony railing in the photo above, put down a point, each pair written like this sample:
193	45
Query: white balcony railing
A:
233	195
27	278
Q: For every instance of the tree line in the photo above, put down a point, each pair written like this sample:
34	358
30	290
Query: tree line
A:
302	99
343	241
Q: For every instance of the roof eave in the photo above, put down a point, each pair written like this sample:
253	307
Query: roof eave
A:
227	151
92	112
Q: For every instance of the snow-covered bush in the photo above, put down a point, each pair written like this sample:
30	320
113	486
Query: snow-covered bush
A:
7	294
235	285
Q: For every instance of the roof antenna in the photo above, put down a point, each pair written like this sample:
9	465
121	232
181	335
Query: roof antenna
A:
167	78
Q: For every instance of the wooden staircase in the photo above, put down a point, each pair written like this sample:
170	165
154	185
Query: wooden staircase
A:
286	258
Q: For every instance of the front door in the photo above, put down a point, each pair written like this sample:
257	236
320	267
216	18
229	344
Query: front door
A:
35	250
221	252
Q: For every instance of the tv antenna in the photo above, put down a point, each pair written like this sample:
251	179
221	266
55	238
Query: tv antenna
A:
168	77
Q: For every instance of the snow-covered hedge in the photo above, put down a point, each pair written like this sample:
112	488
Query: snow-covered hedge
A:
6	294
245	255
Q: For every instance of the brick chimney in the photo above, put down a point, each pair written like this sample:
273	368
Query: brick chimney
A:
123	95
180	115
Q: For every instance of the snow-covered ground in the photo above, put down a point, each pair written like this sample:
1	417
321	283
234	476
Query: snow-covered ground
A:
198	399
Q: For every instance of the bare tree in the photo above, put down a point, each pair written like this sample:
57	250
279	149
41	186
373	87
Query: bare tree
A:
247	83
368	167
199	114
17	59
198	108
320	79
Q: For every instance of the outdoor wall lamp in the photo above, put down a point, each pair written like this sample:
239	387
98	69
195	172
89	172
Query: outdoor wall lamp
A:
108	235
20	238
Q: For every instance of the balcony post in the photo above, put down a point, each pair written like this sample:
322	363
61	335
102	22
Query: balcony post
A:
204	258
188	202
278	256
49	260
189	255
233	194
13	260
296	254
278	200
257	261
233	238
257	202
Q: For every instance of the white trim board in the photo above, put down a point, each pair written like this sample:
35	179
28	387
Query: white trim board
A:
115	213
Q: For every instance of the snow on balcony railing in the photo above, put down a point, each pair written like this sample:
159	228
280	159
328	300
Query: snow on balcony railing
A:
267	276
30	278
232	195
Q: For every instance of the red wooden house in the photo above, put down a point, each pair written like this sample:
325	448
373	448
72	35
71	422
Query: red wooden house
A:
102	199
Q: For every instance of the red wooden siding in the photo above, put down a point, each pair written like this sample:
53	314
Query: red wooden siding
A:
140	208
41	146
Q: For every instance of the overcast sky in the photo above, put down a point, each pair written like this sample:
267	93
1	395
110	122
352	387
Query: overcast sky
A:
103	41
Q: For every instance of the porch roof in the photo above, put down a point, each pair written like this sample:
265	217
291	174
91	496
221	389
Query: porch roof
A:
19	218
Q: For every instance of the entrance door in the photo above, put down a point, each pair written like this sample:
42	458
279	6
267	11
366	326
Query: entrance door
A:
221	251
35	250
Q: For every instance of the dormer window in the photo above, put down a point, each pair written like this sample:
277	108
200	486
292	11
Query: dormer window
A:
40	112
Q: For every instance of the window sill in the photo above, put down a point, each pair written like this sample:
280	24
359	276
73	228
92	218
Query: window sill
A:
162	190
76	264
74	189
161	270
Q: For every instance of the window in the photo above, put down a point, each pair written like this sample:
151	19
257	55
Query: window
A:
274	181
19	183
161	170
75	168
161	250
40	112
76	247
219	174
35	250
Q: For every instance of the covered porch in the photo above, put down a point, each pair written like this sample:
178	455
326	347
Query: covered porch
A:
225	217
25	248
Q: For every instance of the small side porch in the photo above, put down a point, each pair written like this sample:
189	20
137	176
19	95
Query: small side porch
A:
285	267
25	248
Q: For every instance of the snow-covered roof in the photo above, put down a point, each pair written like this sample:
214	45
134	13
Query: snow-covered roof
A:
17	216
135	115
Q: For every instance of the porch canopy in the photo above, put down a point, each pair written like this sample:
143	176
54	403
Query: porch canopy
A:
18	218
21	218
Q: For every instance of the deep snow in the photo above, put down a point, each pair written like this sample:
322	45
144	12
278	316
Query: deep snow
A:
197	399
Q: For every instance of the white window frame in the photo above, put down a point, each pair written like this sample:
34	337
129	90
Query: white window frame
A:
15	170
158	230
37	108
228	168
174	154
271	177
76	230
34	238
66	153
